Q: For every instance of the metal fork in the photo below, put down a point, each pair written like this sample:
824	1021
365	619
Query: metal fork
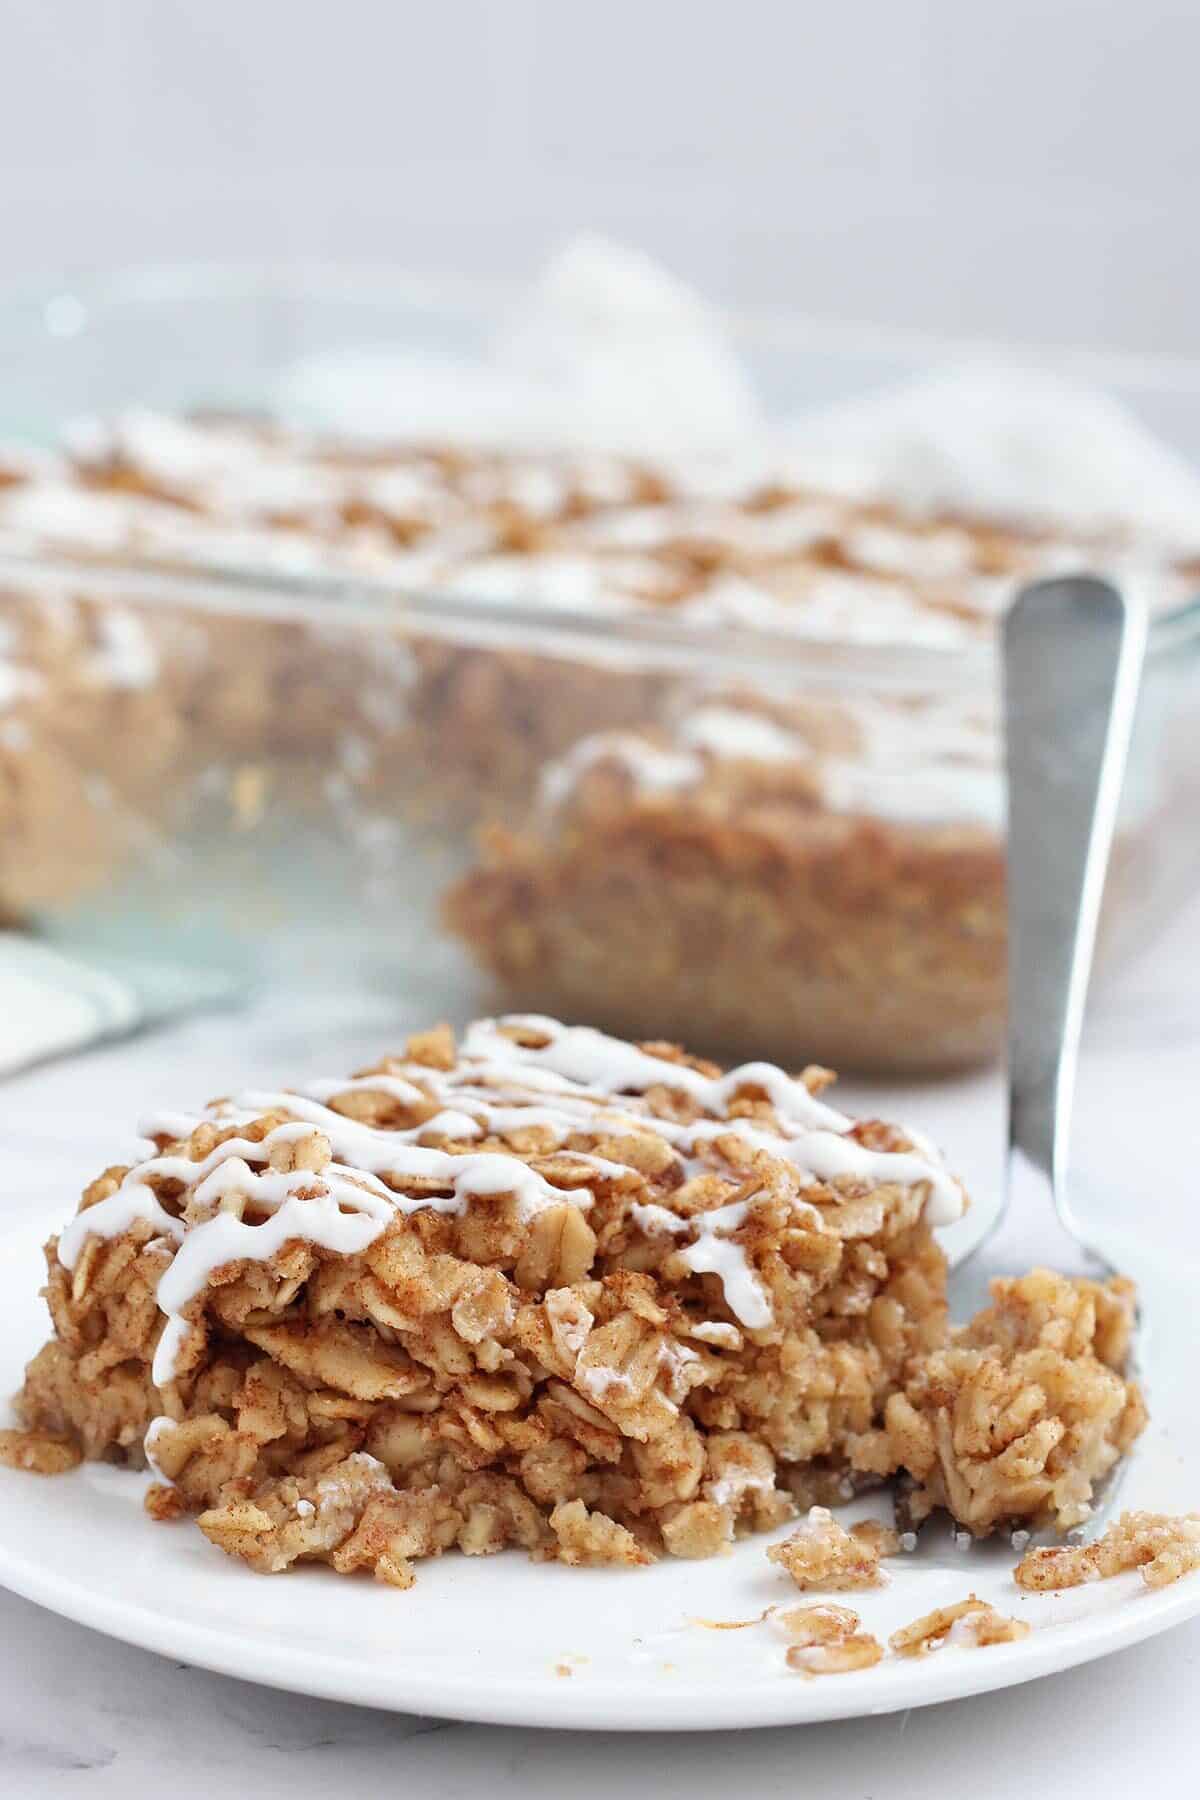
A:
1073	651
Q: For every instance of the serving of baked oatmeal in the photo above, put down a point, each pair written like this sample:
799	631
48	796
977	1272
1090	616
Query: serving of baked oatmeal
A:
544	1287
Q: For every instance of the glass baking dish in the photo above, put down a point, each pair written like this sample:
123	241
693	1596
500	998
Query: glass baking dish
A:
312	771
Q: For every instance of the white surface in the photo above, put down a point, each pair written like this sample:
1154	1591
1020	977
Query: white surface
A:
487	1638
1024	169
72	1703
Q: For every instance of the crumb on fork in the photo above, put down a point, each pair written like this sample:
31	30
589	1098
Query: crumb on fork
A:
1161	1547
1022	1413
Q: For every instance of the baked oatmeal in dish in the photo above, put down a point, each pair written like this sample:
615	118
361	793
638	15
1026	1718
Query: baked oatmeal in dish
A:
805	874
810	864
548	1288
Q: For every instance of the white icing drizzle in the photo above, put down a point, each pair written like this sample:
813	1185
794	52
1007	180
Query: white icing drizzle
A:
827	1156
394	1086
397	1154
153	1433
657	1221
933	763
124	657
581	1054
652	769
731	1489
939	762
235	1205
597	1083
923	555
17	684
714	1253
602	1383
341	1208
927	795
738	733
225	1238
169	1123
109	1218
718	1332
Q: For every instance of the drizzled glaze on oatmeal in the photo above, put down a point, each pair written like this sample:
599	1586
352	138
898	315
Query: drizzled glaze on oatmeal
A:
602	1313
511	1075
939	763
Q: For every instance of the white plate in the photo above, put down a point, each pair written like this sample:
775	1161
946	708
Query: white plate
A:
489	1638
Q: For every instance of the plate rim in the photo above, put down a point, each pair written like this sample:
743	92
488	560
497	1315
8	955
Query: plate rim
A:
589	1701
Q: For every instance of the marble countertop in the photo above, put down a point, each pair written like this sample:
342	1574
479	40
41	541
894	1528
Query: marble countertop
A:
82	1715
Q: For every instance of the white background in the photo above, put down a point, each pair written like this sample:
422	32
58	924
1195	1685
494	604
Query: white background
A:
1026	168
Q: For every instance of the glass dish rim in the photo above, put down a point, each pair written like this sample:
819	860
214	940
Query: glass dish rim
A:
372	601
146	283
637	640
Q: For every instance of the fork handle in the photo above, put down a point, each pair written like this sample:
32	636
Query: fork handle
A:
1073	652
